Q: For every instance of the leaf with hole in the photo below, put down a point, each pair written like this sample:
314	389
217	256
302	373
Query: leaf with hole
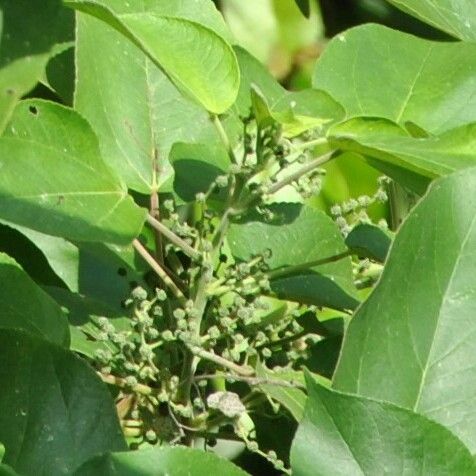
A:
68	190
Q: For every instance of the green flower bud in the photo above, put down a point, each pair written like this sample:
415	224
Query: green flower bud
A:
150	435
222	181
139	293
179	313
161	294
266	353
168	336
131	381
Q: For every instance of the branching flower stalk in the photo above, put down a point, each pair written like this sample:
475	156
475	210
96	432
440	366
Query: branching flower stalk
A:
198	332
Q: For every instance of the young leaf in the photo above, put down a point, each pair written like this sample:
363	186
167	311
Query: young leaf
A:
176	461
423	309
54	181
298	237
57	413
32	33
458	19
26	306
430	157
416	77
181	49
345	434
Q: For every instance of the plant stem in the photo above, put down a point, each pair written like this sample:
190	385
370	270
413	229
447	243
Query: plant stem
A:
310	144
159	270
173	238
224	138
305	169
120	382
205	354
279	273
250	380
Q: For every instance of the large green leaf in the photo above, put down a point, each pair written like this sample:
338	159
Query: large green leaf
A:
178	461
423	310
374	71
194	55
350	435
430	157
26	306
458	18
56	414
298	236
54	181
137	132
30	34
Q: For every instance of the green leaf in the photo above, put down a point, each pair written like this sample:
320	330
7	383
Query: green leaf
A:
294	399
26	306
29	38
430	157
83	316
423	309
428	83
56	414
298	237
350	435
196	166
182	49
136	133
61	255
369	241
456	18
54	181
176	461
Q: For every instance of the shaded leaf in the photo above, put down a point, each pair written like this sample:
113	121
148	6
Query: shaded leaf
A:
57	413
369	241
61	255
164	461
296	239
26	306
423	308
32	33
346	434
428	83
54	181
